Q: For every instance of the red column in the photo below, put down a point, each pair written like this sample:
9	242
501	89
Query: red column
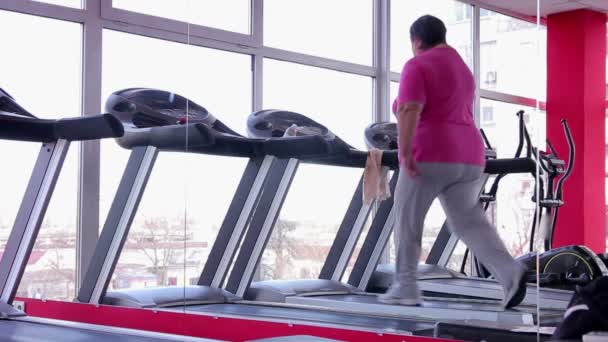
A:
576	91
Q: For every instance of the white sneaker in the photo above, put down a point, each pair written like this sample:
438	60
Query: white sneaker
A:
402	294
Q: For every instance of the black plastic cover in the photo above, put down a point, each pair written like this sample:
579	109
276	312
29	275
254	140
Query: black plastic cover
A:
172	122
277	123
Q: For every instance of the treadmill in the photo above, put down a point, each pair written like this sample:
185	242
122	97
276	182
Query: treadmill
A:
158	121
16	123
330	292
437	280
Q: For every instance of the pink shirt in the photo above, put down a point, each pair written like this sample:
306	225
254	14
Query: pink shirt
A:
446	133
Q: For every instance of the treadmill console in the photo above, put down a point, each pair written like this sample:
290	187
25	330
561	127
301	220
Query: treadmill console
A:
274	123
8	106
142	108
381	135
384	136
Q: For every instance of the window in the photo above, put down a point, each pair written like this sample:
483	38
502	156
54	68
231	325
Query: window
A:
463	11
453	13
187	195
485	13
340	101
68	3
319	195
309	221
230	15
488	69
338	29
487	116
514	208
511	60
48	87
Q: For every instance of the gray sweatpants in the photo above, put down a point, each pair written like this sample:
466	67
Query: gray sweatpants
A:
457	186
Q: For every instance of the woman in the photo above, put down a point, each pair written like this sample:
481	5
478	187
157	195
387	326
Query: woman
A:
441	154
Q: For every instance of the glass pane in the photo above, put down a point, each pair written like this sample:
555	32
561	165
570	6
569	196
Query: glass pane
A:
308	222
15	176
229	15
319	195
456	16
509	56
514	208
48	87
68	3
345	112
51	270
188	194
311	27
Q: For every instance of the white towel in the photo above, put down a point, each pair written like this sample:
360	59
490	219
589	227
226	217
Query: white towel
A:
375	178
295	131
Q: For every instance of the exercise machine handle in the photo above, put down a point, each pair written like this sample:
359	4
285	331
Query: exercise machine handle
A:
485	139
571	158
560	182
522	126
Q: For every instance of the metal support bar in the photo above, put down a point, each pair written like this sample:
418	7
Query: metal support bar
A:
89	171
257	21
235	222
477	62
30	216
374	243
117	225
382	60
258	82
262	224
44	10
508	98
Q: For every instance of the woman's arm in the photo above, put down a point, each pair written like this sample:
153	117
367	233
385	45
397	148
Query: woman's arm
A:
408	115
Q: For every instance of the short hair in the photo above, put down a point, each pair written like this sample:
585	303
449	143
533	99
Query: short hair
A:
430	30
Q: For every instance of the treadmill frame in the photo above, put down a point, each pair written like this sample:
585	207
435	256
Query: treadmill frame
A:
39	191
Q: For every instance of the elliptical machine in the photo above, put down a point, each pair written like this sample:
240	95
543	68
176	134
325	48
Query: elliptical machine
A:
567	266
563	267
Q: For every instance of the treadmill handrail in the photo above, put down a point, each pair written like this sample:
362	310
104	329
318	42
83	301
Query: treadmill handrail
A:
354	158
509	166
357	158
201	138
17	127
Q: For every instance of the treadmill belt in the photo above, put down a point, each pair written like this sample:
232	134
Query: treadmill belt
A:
326	317
437	310
553	299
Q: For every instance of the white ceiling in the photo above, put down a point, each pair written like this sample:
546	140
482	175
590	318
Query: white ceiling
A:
528	7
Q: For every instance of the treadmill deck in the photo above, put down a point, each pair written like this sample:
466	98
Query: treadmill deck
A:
38	329
347	320
436	310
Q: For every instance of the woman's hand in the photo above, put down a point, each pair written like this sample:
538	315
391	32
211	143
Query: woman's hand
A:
411	166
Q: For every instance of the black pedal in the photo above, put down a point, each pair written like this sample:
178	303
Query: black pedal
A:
551	203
